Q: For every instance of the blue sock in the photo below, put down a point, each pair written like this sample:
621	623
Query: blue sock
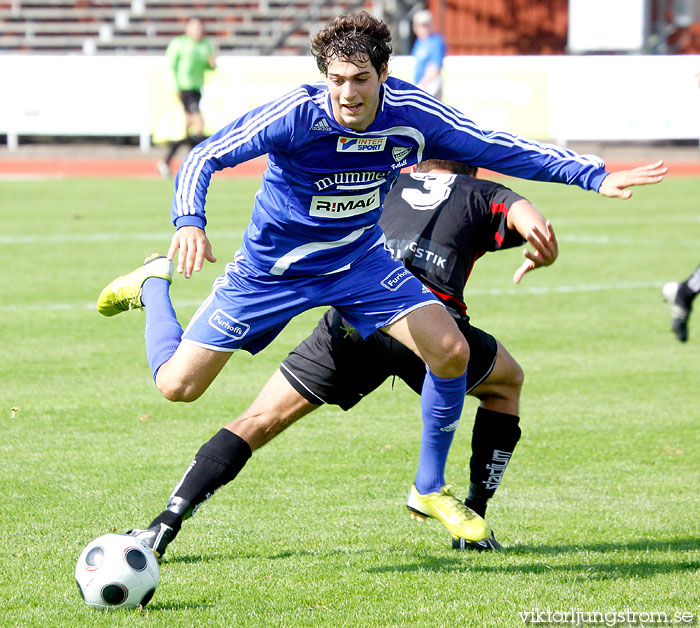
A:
441	405
163	332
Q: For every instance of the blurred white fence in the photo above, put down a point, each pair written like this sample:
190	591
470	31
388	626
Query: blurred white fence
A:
563	98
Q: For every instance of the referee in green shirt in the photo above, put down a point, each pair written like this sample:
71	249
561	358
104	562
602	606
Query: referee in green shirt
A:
190	56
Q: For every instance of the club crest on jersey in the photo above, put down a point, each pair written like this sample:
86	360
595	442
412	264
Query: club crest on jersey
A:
341	206
228	325
360	144
321	125
396	278
399	152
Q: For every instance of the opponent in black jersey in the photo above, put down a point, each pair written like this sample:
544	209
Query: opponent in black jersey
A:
438	222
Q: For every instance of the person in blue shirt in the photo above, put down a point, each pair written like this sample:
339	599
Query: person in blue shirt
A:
334	150
428	51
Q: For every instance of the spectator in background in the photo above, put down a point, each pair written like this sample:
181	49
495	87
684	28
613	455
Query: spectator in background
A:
190	56
428	51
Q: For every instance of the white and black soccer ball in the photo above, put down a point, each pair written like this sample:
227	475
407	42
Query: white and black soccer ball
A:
117	571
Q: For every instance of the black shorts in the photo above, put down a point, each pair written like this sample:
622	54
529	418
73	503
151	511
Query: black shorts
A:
190	100
335	365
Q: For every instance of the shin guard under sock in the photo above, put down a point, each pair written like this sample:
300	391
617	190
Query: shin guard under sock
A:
494	438
689	289
441	404
163	332
217	462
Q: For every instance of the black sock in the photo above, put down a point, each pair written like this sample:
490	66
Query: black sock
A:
217	462
494	438
172	149
689	289
193	140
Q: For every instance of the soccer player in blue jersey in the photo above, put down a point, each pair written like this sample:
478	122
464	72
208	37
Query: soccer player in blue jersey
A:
334	151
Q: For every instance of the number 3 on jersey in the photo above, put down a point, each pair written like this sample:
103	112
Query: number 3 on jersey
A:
436	189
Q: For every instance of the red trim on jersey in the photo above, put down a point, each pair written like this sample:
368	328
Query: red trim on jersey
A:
499	208
457	304
469	270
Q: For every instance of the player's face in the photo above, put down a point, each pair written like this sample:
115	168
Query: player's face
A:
194	29
354	89
421	31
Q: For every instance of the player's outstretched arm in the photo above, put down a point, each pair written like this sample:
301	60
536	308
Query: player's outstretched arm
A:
616	183
194	247
530	223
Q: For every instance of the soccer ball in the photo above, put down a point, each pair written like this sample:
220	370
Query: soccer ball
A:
117	571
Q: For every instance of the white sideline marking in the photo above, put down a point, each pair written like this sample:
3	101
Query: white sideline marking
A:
515	291
617	240
71	307
592	287
166	236
27	176
104	237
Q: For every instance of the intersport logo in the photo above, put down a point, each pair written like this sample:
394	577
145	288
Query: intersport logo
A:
344	206
360	144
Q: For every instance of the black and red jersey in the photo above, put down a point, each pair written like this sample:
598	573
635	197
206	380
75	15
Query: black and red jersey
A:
438	225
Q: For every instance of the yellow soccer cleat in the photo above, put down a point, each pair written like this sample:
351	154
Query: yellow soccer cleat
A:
124	293
462	522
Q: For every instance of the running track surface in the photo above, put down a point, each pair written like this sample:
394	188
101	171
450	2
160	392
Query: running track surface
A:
144	168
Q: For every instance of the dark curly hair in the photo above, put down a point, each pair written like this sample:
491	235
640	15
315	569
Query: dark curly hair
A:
353	36
458	167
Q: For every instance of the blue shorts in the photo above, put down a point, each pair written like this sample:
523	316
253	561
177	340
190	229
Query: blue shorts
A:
248	309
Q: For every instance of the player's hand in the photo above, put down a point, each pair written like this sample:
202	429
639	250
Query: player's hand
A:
546	250
615	184
194	248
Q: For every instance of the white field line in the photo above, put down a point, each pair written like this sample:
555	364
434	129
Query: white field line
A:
21	176
53	238
622	241
514	291
165	236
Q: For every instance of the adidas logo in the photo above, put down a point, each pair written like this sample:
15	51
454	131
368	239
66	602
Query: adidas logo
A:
321	125
451	427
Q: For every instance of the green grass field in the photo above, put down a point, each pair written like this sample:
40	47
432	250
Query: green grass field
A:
598	509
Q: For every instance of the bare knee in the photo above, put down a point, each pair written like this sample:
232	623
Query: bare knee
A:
517	378
510	385
177	390
451	359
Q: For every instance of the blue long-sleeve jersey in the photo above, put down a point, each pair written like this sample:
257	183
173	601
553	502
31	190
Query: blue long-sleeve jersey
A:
322	192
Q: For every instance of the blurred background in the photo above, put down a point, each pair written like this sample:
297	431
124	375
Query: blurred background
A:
596	73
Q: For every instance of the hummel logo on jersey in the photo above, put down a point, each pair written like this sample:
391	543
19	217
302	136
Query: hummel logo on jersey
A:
360	144
321	125
228	325
398	152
